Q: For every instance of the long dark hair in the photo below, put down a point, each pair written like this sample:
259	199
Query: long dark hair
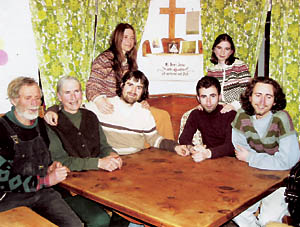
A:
221	38
116	48
138	76
279	96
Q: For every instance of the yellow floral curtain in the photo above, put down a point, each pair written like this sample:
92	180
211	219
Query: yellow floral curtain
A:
285	52
244	21
113	12
63	32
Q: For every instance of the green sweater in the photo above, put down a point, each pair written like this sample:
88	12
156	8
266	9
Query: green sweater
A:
58	153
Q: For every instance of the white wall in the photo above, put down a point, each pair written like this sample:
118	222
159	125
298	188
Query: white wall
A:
157	26
17	42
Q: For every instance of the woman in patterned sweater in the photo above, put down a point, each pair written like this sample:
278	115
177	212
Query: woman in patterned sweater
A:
232	73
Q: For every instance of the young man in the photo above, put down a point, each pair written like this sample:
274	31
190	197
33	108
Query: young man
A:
130	124
264	136
25	165
79	143
215	127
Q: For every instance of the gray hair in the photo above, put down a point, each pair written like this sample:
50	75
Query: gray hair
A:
63	79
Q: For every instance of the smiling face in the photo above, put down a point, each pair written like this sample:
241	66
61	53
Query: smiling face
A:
262	99
70	96
223	51
209	98
132	91
27	104
128	40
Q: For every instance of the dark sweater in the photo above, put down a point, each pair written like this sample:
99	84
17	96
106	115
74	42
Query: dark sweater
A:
25	183
215	129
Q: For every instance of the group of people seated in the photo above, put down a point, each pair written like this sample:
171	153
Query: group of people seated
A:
237	116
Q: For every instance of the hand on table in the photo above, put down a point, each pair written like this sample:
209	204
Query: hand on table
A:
57	173
242	153
110	163
182	150
200	153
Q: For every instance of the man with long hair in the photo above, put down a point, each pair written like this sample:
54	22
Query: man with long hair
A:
264	136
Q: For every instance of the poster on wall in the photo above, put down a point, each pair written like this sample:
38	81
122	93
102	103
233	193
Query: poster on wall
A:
17	47
170	52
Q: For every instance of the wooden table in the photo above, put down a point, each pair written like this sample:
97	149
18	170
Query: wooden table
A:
23	217
165	189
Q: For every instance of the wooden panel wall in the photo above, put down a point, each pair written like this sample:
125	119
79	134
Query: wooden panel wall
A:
175	104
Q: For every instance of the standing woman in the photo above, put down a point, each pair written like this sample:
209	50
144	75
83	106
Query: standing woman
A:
232	73
108	69
110	66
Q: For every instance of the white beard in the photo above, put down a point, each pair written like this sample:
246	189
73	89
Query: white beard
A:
27	115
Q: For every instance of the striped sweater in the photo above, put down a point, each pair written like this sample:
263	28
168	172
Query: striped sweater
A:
129	127
280	126
233	79
102	80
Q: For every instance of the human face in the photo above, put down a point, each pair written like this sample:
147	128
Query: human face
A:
223	51
132	91
27	104
127	40
262	99
209	98
70	96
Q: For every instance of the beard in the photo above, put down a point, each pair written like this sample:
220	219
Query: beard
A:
25	114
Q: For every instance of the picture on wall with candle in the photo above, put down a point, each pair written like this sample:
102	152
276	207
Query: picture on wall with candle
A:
173	48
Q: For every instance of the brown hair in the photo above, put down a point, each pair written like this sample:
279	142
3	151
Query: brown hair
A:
116	48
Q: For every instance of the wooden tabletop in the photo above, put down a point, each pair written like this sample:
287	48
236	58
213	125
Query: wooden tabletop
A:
23	217
165	189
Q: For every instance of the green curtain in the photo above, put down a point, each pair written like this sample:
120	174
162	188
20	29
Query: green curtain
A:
113	12
285	52
63	32
244	21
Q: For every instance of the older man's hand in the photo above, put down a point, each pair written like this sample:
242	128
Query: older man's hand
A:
110	163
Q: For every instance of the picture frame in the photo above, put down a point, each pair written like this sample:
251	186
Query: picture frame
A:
173	48
188	47
156	46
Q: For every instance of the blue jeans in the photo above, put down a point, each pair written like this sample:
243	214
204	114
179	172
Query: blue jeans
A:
46	202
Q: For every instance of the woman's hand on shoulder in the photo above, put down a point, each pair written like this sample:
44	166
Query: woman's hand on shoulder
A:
104	106
227	107
145	104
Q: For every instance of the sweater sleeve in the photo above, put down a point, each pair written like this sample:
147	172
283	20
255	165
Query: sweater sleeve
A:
286	157
189	130
73	163
168	145
102	80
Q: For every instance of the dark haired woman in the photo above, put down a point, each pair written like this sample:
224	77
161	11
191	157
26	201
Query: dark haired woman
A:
232	73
